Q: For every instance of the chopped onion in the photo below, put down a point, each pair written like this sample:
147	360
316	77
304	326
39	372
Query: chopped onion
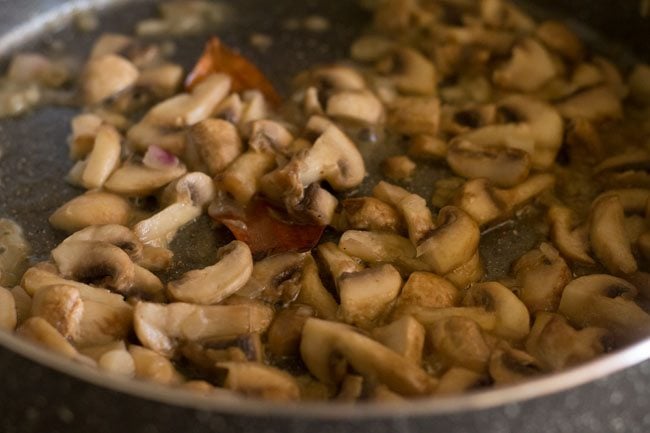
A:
158	158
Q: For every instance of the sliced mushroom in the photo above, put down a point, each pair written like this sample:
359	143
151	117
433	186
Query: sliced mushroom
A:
217	143
429	316
595	104
243	178
8	311
39	331
162	80
530	67
557	345
459	341
333	157
162	327
608	238
106	76
230	109
316	207
366	295
351	388
91	208
405	336
103	159
313	293
512	318
268	275
410	72
398	167
146	285
254	107
452	243
286	329
151	366
97	262
186	200
381	247
336	261
215	283
360	106
457	380
424	146
324	342
632	199
508	365
467	273
416	215
605	301
558	37
271	136
460	120
14	251
62	307
22	304
84	129
155	258
259	380
425	290
502	14
143	135
541	275
369	213
414	115
503	166
138	180
487	204
114	234
118	361
205	355
571	242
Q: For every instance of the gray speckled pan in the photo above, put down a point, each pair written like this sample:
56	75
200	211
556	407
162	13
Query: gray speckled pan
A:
40	393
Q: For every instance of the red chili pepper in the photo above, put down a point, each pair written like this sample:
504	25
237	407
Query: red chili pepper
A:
217	57
267	230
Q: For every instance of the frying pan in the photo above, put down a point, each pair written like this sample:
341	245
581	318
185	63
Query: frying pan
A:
40	392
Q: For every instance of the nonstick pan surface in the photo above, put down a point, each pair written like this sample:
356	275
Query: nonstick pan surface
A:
609	395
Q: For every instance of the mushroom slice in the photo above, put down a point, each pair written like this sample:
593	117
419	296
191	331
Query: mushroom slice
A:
196	189
367	295
467	273
242	178
103	159
416	215
62	307
512	318
91	208
542	274
459	341
414	115
271	136
411	72
457	380
351	388
371	48
106	317
508	365
595	104
286	329
337	77
258	380
425	290
570	241
136	180
84	129
530	67
632	199
424	146
146	285
8	310
22	304
369	213
215	283
405	336
333	157
487	204
630	160
502	14
608	237
323	342
460	120
313	293
152	366
143	135
336	261
162	80
97	262
269	273
360	106
502	166
452	243
14	251
217	143
118	361
162	327
398	167
605	301
106	76
205	355
557	345
558	37
381	247
114	234
316	207
155	258
39	331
